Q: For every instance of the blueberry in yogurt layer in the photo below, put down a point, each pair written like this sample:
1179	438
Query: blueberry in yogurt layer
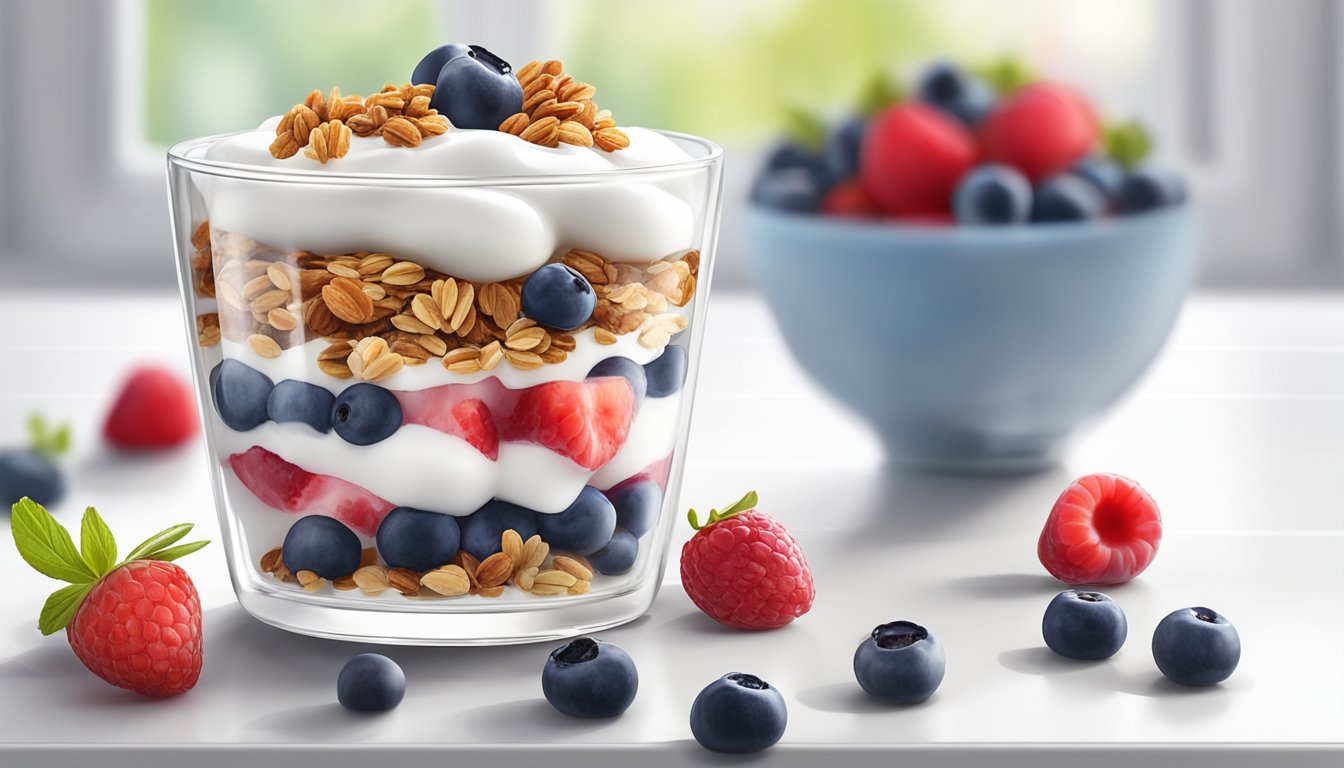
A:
589	678
667	372
585	526
738	713
474	87
1196	646
365	414
558	297
417	540
626	368
1084	625
323	545
900	662
637	505
299	401
482	529
240	393
370	682
618	556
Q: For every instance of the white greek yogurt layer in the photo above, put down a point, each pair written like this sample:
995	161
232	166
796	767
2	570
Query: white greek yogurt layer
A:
423	468
478	233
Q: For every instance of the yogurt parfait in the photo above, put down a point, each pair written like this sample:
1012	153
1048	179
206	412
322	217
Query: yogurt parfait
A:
445	346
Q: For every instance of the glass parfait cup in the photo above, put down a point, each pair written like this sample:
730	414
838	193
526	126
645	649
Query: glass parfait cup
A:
359	348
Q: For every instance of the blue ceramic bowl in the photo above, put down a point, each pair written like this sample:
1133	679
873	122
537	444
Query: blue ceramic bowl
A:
975	349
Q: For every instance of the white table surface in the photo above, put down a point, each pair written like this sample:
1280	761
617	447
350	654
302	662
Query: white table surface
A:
1238	432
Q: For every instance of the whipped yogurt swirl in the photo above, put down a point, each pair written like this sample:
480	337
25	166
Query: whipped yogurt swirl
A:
480	233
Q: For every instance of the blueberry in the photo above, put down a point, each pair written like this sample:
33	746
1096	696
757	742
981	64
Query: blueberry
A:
300	401
788	189
417	540
618	556
558	297
667	372
637	505
900	662
738	713
841	151
1196	646
1084	625
589	678
370	682
482	529
322	545
1149	188
790	154
585	526
476	89
427	71
240	394
623	366
25	472
956	92
1067	198
1103	173
992	194
365	414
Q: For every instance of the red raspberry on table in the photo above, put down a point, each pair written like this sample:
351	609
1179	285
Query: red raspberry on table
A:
743	568
1041	130
134	623
1104	529
155	409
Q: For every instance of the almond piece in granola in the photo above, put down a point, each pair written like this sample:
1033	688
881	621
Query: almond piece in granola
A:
449	581
494	570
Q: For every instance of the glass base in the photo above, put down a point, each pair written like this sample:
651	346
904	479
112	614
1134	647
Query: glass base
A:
282	608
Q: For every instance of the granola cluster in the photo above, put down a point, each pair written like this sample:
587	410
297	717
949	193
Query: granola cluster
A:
524	565
557	109
321	126
380	314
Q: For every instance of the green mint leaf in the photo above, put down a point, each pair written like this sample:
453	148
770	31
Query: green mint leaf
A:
44	440
806	128
45	544
96	542
61	606
173	553
879	91
159	541
60	440
1006	75
741	505
1128	143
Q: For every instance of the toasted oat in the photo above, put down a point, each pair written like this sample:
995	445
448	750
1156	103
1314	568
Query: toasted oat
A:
282	319
463	360
573	567
491	355
545	132
535	552
522	360
556	577
603	336
494	570
403	273
207	329
368	555
525	578
449	581
270	561
347	300
464	560
432	344
344	584
610	139
527	338
328	141
405	581
575	133
400	132
580	587
310	581
264	346
548	589
511	544
515	124
372	579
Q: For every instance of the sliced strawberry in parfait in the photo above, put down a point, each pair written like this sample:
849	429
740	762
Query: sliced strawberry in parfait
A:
290	488
586	421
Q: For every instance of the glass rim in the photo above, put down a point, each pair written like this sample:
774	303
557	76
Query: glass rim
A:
178	157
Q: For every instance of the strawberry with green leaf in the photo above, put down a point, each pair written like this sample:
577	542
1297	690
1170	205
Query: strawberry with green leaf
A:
135	623
33	471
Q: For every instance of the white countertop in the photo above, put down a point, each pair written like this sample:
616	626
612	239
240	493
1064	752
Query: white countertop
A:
1238	432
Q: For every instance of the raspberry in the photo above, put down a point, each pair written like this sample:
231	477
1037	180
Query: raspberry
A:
1041	130
134	623
140	629
745	569
912	158
1104	529
156	408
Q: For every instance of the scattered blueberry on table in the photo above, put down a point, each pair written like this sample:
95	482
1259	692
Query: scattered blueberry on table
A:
33	471
1084	625
589	678
370	682
323	545
900	662
738	713
1196	646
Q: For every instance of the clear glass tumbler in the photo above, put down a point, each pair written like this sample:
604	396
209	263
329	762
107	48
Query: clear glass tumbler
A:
363	363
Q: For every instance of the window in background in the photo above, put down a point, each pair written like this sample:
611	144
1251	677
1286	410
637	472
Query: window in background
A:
210	66
727	69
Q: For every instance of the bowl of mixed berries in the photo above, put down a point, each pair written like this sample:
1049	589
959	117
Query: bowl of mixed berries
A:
978	268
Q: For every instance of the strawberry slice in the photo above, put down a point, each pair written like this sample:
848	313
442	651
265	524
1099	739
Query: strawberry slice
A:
1104	529
476	425
586	421
290	488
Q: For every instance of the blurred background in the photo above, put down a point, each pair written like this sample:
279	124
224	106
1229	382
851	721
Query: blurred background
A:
1244	96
